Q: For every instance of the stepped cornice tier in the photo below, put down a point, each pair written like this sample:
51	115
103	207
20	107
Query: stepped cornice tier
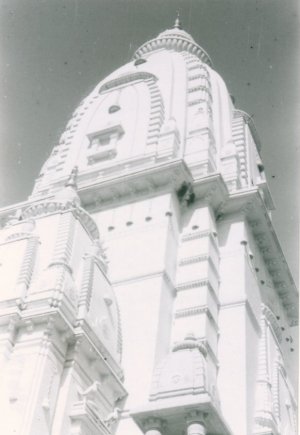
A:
173	39
248	120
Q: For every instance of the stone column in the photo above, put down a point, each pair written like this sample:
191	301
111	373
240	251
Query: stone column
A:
153	426
195	423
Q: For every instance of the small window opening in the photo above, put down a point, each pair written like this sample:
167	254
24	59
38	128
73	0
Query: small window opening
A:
139	61
114	108
100	140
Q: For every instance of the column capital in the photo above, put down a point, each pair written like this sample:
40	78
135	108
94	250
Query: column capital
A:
153	423
196	417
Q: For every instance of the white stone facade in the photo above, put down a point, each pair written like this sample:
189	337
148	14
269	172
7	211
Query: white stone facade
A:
156	257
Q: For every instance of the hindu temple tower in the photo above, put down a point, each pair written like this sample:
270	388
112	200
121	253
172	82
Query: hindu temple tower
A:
143	288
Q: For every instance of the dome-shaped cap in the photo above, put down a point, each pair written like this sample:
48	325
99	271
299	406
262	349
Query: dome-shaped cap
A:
174	39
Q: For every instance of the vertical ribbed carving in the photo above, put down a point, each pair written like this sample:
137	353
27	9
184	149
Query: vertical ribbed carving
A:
276	404
120	340
263	372
198	81
200	145
86	286
238	136
264	400
157	112
64	242
27	266
62	253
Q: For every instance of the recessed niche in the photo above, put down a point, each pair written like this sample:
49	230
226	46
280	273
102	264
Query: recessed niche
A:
195	227
282	328
169	213
129	223
111	228
139	61
148	218
260	167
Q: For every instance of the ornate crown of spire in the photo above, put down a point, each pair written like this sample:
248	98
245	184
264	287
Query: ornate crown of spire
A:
177	24
174	39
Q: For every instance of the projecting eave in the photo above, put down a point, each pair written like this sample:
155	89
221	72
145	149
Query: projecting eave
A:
170	412
144	180
252	206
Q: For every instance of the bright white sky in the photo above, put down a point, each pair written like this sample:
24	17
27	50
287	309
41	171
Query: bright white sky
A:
54	52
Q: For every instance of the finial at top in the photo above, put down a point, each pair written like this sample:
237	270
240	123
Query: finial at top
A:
177	24
72	180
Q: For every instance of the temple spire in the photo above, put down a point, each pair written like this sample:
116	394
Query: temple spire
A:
177	24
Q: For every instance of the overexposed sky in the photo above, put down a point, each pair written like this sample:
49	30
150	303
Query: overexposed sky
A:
53	53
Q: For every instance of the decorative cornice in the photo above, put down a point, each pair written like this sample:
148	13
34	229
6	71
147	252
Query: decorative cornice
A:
194	259
195	235
18	236
187	285
44	208
186	261
192	311
190	342
199	235
52	207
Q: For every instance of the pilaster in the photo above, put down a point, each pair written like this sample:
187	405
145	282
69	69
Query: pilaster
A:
196	307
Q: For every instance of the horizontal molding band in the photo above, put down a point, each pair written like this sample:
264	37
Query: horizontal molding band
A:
192	311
